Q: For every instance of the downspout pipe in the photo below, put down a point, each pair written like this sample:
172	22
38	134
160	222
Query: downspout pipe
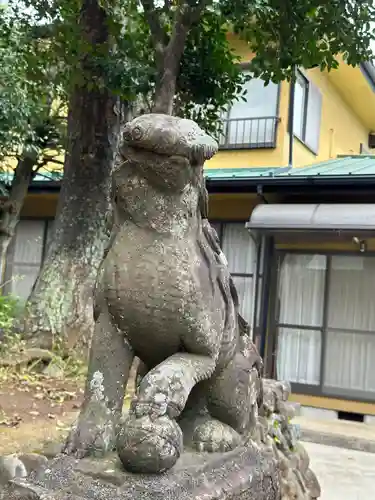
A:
291	116
259	249
266	290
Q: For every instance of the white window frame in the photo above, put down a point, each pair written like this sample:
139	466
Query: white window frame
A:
311	113
303	82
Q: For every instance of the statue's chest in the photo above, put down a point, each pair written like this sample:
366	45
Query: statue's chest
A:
141	258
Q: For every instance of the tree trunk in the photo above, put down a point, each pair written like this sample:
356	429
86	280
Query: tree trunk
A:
168	55
168	64
11	208
165	91
60	307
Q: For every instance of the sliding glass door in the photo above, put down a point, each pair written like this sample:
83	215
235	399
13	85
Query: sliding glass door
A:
326	324
350	345
300	322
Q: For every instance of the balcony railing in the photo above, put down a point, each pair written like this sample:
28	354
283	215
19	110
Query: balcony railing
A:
249	133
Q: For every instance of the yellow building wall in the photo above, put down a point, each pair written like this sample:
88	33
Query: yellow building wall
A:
256	157
327	246
231	207
342	129
327	403
40	206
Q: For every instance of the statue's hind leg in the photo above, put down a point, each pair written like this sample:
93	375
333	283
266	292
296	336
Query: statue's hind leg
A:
230	410
201	430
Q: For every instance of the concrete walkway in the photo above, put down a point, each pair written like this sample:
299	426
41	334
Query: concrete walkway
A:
340	433
343	474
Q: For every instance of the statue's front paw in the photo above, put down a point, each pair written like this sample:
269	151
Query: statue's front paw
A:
215	436
149	445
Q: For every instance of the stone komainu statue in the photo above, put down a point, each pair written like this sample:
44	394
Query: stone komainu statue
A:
165	295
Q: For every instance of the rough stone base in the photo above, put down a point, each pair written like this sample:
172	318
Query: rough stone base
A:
244	474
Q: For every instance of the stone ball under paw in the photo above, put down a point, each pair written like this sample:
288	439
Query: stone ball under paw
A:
149	446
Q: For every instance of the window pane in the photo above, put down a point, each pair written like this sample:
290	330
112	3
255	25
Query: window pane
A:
300	95
313	118
247	120
350	361
301	289
244	288
29	242
239	248
23	279
261	100
298	355
351	293
50	228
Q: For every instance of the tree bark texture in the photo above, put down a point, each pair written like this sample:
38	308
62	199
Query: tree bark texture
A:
60	307
10	209
166	84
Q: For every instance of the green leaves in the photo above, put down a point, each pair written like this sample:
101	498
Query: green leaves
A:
210	76
9	311
29	84
306	33
41	49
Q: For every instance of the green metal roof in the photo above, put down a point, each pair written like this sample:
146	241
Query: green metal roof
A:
7	177
345	166
240	173
342	166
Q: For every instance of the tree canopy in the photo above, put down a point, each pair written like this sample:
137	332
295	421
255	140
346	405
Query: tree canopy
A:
30	115
208	75
306	33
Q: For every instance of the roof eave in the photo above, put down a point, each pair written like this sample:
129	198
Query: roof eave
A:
252	184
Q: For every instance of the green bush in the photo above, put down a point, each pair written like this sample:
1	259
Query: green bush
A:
9	311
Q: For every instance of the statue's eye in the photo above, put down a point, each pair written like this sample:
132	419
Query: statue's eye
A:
137	133
127	135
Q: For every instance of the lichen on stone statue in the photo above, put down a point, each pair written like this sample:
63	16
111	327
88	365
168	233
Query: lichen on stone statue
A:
165	287
165	295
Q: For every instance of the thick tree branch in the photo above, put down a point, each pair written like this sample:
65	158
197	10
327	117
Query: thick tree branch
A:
167	6
51	159
158	34
11	208
187	14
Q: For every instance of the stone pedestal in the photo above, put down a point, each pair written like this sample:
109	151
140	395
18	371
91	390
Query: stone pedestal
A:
244	474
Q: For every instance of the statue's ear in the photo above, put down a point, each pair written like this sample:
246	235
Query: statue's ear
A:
203	202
